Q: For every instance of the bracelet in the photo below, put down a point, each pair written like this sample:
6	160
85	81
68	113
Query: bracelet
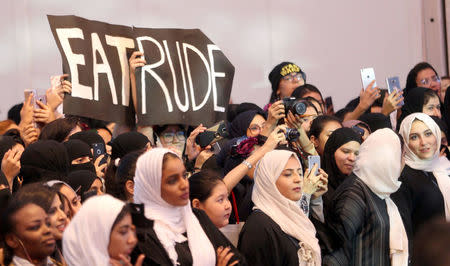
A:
246	163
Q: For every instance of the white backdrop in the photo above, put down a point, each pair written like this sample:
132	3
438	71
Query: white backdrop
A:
331	40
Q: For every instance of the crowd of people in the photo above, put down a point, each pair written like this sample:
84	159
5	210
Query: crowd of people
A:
292	183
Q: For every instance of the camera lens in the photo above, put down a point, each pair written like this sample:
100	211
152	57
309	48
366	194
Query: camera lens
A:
299	108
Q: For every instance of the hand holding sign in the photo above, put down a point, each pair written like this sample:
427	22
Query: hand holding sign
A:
184	77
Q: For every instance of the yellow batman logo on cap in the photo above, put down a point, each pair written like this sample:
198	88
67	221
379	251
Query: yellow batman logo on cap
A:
288	69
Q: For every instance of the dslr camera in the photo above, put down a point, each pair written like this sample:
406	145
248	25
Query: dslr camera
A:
297	107
292	134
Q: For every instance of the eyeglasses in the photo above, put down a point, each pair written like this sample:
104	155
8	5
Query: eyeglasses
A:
255	129
427	81
170	136
294	77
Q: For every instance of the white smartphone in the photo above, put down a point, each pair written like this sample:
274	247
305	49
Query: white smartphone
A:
312	160
367	76
393	83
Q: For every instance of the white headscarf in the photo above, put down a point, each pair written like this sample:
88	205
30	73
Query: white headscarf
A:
286	213
430	165
379	166
170	222
86	239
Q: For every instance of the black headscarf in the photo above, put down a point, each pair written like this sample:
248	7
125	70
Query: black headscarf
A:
44	160
6	143
413	103
90	137
236	109
443	127
376	121
81	180
76	149
338	138
446	109
127	142
240	124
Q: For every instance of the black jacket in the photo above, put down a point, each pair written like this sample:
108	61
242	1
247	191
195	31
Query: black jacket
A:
155	254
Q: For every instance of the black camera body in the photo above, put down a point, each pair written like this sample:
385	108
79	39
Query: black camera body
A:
297	107
292	134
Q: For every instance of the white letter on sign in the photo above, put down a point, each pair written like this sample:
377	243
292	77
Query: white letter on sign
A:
78	90
122	44
148	68
193	48
182	107
214	75
101	68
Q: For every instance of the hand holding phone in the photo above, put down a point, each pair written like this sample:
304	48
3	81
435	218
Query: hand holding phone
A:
312	160
367	76
393	84
27	94
212	135
98	150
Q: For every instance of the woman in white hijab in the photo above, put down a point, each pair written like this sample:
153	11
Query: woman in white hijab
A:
425	186
363	214
100	234
171	232
278	232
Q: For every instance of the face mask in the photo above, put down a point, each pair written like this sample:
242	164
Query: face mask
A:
84	166
178	146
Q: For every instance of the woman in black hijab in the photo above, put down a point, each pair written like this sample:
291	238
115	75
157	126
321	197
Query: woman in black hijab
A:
240	126
44	160
89	136
338	159
121	146
128	142
80	155
420	100
446	109
84	181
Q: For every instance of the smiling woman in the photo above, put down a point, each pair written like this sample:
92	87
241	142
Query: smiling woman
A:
425	185
339	158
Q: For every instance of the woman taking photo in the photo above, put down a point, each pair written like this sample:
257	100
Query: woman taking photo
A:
172	233
99	235
362	213
278	232
425	184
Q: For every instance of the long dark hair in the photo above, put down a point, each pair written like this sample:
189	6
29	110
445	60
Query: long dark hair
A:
201	184
412	75
319	123
59	129
35	193
125	171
